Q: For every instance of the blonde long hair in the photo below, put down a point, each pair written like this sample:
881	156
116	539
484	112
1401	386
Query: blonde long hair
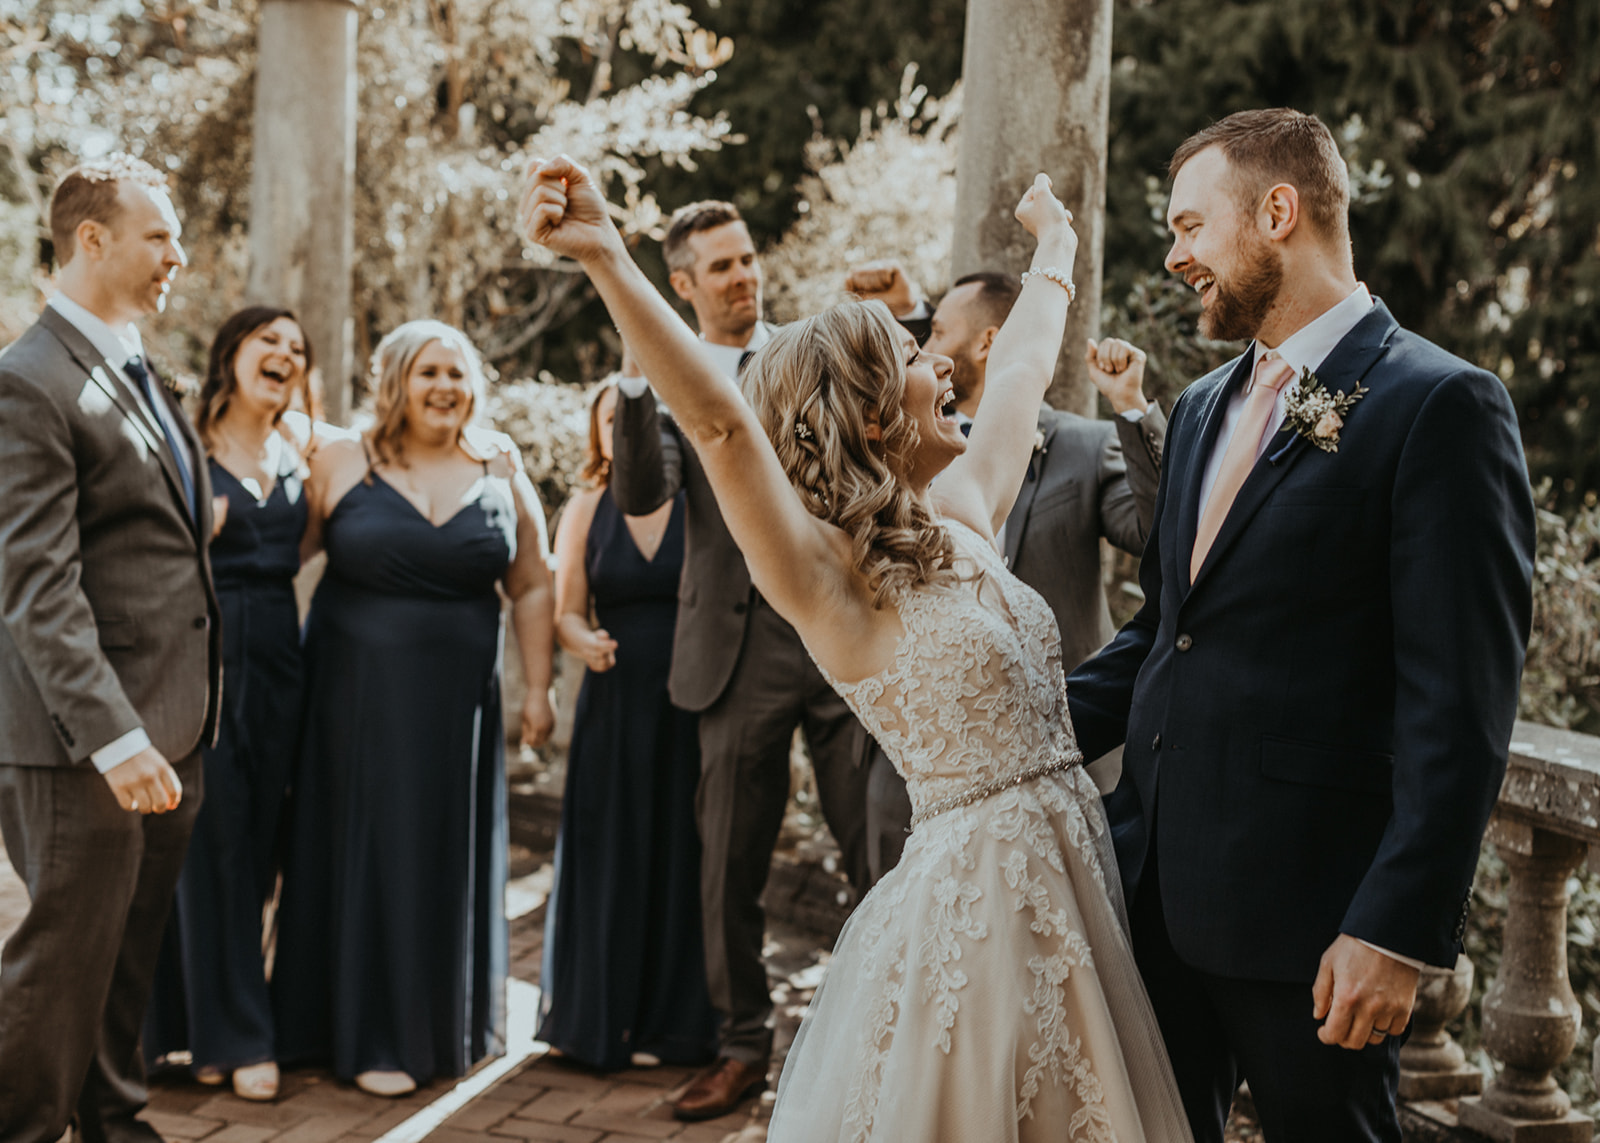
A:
391	366
816	387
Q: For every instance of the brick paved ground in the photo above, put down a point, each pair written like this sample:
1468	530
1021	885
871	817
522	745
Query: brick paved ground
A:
541	1100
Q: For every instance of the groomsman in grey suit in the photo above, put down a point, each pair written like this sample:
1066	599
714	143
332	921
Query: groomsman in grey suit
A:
738	664
109	661
1088	479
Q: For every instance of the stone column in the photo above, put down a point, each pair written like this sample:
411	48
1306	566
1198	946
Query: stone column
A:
1036	81
1432	1064
303	178
1530	1017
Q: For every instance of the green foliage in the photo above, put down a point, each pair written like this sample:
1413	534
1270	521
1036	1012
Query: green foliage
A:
1561	681
1474	150
805	67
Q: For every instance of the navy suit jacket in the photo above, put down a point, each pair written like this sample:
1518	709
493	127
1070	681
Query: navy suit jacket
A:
1323	715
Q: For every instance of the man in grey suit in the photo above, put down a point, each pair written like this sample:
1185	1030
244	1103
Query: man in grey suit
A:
1087	480
736	663
109	661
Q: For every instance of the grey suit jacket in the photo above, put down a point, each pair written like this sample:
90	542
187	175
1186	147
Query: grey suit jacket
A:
652	462
1091	479
108	619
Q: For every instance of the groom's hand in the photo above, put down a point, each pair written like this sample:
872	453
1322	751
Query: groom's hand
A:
1361	995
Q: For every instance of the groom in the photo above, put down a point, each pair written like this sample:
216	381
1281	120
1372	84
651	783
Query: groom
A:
1318	694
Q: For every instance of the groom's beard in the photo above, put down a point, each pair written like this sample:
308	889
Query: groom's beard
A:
1242	303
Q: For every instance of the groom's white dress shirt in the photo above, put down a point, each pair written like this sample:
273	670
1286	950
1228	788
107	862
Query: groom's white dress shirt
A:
116	346
1307	348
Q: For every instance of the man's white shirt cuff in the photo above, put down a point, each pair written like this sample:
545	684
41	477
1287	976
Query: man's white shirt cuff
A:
119	750
633	386
1405	960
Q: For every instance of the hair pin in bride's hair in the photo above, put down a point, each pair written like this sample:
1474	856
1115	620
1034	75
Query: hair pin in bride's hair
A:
802	432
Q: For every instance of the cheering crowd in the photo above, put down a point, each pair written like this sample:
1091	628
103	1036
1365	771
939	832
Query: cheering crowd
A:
1103	876
166	705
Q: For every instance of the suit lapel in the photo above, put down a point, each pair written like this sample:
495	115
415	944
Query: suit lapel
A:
104	376
1341	372
1195	466
1017	521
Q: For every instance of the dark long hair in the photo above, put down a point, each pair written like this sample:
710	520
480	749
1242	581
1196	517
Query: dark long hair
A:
220	378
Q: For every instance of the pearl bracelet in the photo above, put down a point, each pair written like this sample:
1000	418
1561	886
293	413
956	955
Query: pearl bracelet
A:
1055	276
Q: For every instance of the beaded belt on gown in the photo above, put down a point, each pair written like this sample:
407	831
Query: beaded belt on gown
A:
993	786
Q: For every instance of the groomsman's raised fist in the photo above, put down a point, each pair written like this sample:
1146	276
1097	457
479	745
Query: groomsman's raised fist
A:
885	282
1117	370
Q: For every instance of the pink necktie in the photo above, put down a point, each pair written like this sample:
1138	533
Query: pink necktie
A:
1272	374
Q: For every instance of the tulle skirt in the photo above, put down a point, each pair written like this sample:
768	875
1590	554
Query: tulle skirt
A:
986	990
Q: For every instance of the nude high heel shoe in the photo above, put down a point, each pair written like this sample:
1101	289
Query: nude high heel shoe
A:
390	1085
258	1082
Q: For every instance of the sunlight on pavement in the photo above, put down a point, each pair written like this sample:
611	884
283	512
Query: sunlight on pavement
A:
522	1020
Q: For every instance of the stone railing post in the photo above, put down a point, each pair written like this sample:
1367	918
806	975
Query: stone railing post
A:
1432	1064
1530	1017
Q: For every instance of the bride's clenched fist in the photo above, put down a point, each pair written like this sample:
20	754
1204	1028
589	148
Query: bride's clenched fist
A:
563	211
1041	212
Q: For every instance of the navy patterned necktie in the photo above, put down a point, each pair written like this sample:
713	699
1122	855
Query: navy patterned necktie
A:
135	368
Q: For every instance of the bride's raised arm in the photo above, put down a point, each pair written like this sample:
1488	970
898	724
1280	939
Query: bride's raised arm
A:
799	563
983	482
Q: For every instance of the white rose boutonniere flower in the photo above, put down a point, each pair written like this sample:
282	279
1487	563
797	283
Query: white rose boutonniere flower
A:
1317	412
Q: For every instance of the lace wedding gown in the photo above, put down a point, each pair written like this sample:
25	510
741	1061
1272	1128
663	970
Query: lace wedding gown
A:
984	990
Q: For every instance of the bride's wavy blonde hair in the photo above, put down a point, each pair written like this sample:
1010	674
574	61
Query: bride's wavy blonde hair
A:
816	387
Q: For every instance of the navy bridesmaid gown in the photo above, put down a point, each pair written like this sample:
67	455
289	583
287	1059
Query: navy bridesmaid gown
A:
210	996
392	943
624	969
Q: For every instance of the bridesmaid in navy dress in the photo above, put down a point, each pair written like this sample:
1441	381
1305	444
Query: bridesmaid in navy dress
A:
210	997
623	977
392	946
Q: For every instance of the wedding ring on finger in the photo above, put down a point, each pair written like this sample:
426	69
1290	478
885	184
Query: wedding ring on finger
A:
133	804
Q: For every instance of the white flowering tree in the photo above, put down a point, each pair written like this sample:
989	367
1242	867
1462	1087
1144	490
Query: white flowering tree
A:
891	194
454	96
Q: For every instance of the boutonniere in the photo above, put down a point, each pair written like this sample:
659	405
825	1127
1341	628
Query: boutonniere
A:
1317	413
1038	451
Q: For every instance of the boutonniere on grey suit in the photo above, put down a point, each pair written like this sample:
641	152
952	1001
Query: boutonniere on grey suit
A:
1038	451
1317	413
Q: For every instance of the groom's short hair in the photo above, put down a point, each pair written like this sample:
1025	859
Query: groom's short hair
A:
1279	145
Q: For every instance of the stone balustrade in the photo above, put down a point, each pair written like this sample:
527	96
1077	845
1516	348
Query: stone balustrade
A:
1544	825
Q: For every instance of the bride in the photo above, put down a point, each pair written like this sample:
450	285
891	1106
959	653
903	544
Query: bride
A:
985	989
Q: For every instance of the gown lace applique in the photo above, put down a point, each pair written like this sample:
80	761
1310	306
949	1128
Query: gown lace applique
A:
985	989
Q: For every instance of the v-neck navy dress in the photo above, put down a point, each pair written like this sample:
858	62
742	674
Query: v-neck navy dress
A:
210	994
392	942
624	968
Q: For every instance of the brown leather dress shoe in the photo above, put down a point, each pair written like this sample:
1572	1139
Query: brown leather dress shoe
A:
719	1089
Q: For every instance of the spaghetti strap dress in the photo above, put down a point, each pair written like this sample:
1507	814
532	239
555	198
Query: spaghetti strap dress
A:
393	944
210	994
624	966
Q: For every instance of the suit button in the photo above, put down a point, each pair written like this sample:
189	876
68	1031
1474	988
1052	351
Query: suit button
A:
1184	643
740	608
201	623
1155	743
